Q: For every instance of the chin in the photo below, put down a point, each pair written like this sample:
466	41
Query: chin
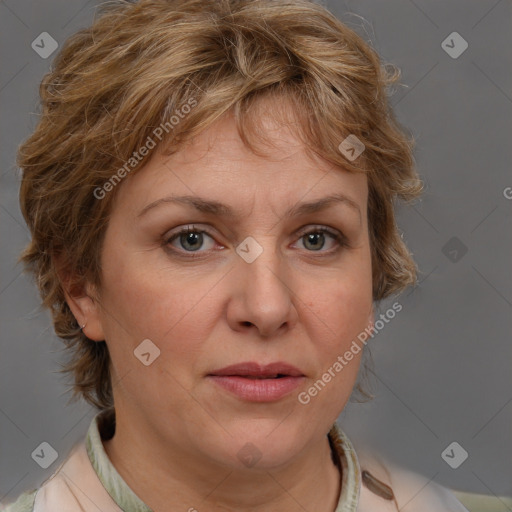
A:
266	444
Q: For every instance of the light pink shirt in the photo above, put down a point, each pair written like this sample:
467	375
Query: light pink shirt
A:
88	482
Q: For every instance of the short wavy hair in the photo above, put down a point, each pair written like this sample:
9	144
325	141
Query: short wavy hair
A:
112	84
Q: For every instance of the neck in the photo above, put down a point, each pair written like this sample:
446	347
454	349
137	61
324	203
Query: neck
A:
166	476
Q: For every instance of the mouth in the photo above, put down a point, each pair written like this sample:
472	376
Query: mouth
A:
252	370
278	376
253	382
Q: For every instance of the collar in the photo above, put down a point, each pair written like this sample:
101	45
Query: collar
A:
102	426
105	423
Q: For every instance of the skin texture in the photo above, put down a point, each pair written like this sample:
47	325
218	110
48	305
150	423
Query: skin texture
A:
178	433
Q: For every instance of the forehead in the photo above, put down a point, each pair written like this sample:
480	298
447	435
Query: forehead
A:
218	165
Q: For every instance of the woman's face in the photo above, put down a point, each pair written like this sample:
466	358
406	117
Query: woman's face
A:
255	281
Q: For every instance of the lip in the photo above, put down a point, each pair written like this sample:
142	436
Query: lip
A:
257	383
252	369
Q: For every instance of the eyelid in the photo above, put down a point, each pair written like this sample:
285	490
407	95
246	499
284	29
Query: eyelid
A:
315	228
186	228
337	235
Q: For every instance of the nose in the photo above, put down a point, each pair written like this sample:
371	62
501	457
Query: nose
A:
261	295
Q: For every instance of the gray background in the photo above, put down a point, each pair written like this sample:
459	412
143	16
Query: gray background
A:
442	365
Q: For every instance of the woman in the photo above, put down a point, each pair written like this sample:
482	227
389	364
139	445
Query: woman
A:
259	133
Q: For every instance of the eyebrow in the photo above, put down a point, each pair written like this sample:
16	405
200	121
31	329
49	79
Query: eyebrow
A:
222	210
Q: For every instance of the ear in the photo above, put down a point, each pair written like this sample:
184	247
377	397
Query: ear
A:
83	301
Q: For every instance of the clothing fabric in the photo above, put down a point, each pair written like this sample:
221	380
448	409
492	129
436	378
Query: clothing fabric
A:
87	481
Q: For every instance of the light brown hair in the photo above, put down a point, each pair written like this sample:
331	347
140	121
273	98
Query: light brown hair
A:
114	83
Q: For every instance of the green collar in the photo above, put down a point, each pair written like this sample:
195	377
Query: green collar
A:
343	455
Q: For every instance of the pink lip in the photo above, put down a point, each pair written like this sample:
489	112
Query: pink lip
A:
237	379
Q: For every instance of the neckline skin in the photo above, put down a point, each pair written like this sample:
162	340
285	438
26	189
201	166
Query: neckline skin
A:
342	453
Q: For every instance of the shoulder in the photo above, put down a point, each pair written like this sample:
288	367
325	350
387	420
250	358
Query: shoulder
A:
53	489
24	503
74	486
489	503
402	489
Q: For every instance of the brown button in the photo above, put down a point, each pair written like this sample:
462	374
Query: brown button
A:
376	486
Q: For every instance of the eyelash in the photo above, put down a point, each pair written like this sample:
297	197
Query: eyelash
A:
337	236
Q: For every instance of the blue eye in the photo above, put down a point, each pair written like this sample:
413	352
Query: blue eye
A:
315	238
189	238
190	241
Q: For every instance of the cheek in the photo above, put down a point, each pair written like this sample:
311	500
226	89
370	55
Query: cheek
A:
339	326
339	314
160	304
340	307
